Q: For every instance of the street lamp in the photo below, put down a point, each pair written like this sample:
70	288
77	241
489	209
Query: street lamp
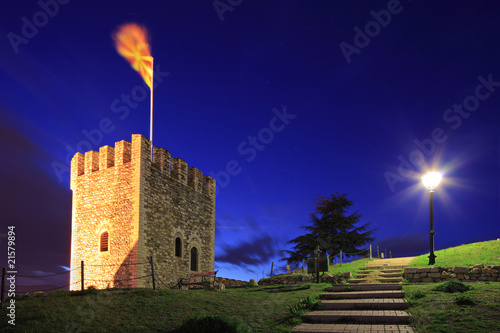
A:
431	181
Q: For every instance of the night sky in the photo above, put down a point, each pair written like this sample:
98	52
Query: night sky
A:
280	101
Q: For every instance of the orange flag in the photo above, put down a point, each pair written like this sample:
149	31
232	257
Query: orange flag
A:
131	42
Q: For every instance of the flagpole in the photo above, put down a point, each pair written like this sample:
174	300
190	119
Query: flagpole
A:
151	110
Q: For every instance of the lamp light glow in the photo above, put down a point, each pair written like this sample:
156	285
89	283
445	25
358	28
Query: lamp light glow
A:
431	180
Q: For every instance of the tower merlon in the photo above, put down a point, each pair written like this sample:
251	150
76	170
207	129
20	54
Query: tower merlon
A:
195	179
209	186
91	161
77	168
179	170
106	157
161	158
123	152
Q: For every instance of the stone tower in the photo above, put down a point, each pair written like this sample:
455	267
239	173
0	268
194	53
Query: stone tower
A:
127	208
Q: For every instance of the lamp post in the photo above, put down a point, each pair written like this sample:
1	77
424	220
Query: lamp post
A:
431	181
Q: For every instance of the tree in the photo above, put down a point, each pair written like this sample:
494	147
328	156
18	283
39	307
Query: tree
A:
331	230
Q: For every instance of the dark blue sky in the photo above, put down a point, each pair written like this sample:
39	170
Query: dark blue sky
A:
300	98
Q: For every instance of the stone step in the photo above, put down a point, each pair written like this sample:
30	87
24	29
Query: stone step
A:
365	287
365	304
399	267
359	316
387	275
351	328
387	280
391	271
355	281
361	274
364	294
364	270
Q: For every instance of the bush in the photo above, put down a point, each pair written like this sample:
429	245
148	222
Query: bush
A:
303	306
212	324
418	294
464	300
452	286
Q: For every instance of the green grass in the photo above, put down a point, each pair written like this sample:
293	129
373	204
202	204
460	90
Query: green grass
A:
440	312
260	309
486	253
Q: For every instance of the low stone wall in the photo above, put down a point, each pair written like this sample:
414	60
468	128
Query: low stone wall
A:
438	274
230	283
303	278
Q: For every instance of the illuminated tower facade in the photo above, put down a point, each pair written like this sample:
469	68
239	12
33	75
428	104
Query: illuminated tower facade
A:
127	208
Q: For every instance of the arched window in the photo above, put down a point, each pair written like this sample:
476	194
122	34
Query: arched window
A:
194	259
104	241
178	247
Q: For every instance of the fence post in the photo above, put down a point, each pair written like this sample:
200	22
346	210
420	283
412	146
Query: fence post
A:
2	292
340	257
272	266
390	253
303	263
82	276
370	252
378	252
153	273
385	253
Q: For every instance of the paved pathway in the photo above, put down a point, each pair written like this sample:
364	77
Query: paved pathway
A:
373	302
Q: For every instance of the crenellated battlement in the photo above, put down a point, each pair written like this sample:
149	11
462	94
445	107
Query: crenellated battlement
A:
125	152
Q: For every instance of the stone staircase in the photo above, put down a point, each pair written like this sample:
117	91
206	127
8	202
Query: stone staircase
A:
372	302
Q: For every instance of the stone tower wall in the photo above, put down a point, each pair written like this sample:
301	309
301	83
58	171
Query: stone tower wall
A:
145	206
178	202
103	198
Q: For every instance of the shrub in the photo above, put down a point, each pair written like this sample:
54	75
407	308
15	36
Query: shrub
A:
418	294
92	290
303	306
464	300
212	324
452	286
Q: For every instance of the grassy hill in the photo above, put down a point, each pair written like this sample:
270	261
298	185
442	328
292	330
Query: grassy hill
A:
257	309
486	253
261	309
476	310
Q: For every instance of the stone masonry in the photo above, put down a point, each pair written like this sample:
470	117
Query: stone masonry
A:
127	208
438	274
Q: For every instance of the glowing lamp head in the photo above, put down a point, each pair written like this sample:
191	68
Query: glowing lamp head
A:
431	180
